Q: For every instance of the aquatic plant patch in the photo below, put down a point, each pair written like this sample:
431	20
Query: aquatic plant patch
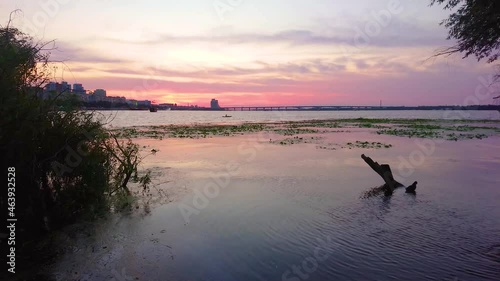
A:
452	130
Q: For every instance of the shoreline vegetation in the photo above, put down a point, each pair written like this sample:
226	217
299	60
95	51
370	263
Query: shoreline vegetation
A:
65	166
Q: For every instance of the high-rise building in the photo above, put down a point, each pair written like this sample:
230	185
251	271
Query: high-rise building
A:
51	87
78	89
65	87
214	104
100	93
56	87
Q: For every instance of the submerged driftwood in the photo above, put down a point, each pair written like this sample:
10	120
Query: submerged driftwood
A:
384	171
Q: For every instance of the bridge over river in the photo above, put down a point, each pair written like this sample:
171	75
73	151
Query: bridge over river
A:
309	107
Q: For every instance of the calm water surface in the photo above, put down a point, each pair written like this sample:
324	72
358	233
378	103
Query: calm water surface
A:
146	118
244	209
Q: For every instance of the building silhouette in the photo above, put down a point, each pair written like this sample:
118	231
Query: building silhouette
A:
56	87
65	87
214	104
78	89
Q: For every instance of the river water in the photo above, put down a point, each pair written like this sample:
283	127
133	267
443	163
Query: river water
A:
241	208
178	117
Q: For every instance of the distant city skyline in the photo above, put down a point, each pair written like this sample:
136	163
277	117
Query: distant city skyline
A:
97	95
256	53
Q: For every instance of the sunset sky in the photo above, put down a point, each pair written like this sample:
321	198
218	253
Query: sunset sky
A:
254	52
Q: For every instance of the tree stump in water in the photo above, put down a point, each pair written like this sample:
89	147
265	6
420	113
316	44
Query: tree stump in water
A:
385	172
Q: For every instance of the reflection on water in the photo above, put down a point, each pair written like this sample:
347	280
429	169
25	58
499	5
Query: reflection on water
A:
295	213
